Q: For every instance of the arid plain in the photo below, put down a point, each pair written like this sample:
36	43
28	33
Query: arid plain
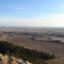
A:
48	40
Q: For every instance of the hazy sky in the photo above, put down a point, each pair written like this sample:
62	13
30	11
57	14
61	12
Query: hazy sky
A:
47	13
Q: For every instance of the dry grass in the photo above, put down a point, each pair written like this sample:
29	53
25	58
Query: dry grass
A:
11	60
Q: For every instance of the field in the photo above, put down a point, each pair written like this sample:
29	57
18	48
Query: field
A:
49	40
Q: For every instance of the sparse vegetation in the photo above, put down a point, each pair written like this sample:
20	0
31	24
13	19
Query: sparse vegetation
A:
35	57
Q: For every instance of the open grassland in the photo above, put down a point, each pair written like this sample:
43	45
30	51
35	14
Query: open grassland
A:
45	40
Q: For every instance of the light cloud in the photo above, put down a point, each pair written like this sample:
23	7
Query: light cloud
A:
50	21
14	22
19	8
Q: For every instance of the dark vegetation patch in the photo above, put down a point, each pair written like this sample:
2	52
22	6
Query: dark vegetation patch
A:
34	56
56	35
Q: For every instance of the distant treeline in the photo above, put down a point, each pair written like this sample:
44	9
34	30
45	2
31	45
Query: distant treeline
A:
36	57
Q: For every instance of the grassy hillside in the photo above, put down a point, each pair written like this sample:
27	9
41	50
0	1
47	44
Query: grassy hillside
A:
35	57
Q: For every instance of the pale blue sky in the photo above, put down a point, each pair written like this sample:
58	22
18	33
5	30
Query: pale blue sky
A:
47	13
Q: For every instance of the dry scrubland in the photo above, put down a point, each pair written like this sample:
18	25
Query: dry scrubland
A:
46	40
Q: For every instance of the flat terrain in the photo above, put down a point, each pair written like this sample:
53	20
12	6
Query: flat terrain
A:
46	40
